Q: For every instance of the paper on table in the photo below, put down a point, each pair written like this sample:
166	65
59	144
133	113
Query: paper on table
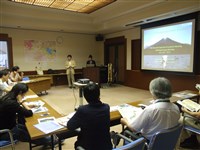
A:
39	109
113	108
48	127
36	103
29	96
191	94
184	95
25	81
129	112
39	106
189	104
63	120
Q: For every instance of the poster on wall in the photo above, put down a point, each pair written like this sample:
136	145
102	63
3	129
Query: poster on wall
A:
37	50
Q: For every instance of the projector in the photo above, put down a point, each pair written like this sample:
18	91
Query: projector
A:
83	81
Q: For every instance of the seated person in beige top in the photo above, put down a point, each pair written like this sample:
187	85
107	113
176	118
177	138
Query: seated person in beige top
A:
15	76
4	88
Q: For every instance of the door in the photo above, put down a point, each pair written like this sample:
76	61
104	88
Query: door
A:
115	53
116	56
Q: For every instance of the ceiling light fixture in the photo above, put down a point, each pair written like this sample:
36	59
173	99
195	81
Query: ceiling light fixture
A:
82	6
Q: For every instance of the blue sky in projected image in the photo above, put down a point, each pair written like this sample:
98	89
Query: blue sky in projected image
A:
180	33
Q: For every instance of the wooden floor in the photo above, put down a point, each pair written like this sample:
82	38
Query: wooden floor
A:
64	100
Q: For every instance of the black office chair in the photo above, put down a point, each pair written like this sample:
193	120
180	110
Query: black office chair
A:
5	143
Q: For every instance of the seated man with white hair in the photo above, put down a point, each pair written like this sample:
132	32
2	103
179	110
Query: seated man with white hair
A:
161	114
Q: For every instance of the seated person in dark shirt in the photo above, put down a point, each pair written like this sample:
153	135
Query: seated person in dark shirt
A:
90	62
94	121
11	107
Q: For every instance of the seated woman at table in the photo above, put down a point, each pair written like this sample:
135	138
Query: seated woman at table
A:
10	105
94	121
15	76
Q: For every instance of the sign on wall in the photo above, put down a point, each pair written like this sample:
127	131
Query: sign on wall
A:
36	50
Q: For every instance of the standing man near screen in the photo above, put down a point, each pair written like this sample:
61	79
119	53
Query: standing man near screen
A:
70	64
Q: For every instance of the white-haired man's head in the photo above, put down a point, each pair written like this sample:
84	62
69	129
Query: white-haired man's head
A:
160	88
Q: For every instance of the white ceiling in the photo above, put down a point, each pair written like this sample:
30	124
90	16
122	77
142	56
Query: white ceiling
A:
109	19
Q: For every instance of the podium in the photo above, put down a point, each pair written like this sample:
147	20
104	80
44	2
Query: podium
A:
96	74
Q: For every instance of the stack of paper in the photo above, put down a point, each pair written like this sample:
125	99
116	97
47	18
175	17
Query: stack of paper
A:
36	103
129	112
184	95
63	120
39	106
113	108
48	126
189	104
39	109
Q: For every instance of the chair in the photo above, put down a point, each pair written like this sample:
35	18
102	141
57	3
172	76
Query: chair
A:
165	139
5	143
138	144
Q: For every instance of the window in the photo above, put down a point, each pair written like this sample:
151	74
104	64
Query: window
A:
6	58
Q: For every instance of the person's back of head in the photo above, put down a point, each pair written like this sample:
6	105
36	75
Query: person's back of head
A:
160	88
92	93
15	68
3	73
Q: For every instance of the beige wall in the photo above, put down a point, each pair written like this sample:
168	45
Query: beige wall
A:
129	35
78	45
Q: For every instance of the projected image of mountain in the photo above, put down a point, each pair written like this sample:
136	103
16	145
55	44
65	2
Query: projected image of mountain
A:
168	46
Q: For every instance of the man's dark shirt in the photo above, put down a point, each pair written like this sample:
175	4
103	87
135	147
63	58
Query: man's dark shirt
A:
91	62
94	121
